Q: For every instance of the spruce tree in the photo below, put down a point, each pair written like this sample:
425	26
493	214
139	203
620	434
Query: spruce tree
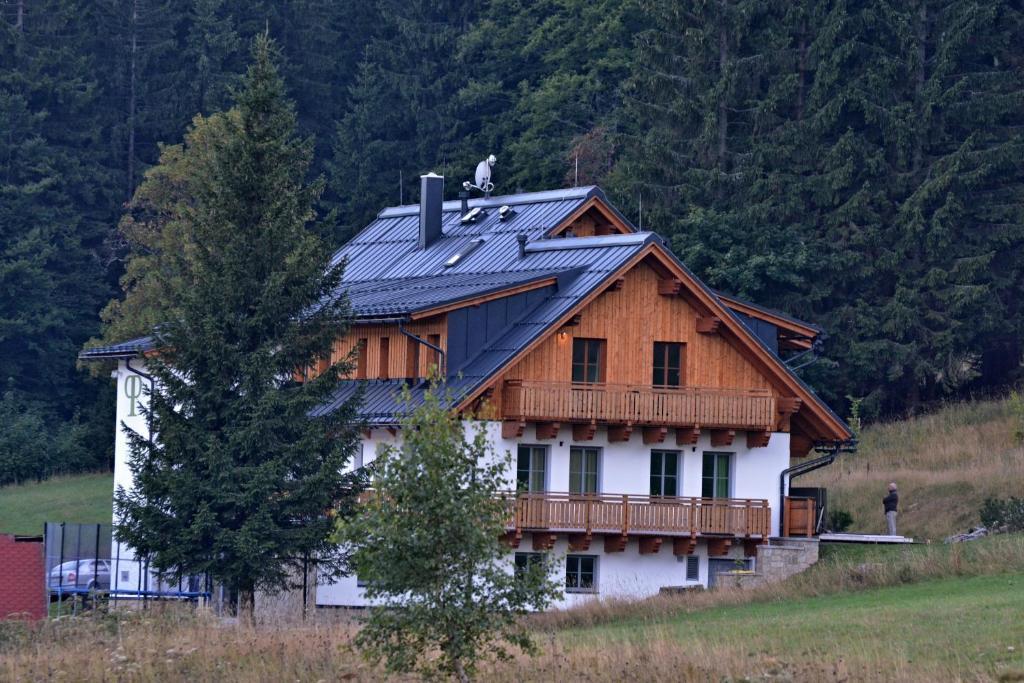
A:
240	479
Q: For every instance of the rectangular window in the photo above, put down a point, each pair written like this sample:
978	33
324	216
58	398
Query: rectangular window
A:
434	358
580	574
692	568
584	466
385	357
526	561
668	364
664	473
412	358
588	361
715	477
531	468
361	359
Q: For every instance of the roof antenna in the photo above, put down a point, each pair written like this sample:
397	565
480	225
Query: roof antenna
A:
576	177
401	187
482	177
641	211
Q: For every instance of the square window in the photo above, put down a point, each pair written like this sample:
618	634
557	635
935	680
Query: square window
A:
668	364
588	360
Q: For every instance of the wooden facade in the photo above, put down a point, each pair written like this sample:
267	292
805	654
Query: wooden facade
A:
386	353
631	319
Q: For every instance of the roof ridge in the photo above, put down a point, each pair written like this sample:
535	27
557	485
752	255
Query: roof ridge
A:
454	205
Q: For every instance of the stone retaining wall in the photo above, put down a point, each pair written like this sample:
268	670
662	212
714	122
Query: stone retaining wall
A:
780	559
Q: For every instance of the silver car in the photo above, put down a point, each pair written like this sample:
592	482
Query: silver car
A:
85	574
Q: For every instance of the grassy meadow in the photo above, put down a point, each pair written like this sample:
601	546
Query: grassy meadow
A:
923	613
945	464
83	498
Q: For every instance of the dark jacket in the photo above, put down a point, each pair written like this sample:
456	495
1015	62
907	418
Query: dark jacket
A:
891	501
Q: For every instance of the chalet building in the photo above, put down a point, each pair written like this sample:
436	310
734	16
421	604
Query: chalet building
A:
652	421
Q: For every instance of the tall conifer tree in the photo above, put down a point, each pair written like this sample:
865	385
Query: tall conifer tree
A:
241	478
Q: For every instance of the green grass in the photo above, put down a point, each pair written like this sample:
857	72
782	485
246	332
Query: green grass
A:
960	627
84	498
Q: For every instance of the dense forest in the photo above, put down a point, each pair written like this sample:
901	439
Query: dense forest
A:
859	164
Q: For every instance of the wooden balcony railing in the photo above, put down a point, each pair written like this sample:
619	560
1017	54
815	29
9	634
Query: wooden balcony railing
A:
527	400
628	514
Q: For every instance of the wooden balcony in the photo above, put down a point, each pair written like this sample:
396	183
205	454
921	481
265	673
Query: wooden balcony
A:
537	401
626	515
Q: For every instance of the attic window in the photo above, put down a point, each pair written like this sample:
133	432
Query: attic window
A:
470	248
472	214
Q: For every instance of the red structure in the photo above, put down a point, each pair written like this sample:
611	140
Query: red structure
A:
22	585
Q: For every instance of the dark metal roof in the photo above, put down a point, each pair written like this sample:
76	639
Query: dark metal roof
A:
402	296
768	311
128	349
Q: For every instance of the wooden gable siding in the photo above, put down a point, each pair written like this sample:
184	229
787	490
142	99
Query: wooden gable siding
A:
592	219
631	319
401	350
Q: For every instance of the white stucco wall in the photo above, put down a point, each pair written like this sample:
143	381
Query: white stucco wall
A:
625	469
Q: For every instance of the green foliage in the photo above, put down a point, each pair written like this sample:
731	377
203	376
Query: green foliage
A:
1016	404
428	546
242	478
1003	514
839	520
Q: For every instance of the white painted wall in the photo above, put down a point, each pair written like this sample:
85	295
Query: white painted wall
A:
624	468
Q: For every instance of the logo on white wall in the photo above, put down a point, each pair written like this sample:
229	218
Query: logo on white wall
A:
132	390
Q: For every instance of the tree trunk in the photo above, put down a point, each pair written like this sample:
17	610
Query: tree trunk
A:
19	22
460	672
723	112
247	607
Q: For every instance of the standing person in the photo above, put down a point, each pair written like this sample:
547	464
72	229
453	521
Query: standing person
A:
891	503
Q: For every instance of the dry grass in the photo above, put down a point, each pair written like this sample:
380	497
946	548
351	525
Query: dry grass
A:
836	622
945	463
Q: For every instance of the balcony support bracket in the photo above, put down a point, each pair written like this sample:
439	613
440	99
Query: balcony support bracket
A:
543	541
722	437
584	432
619	432
687	436
719	546
548	430
511	539
512	429
615	543
655	434
650	545
684	545
708	324
579	542
758	439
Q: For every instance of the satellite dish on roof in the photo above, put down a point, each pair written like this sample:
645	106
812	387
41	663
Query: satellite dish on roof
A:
482	177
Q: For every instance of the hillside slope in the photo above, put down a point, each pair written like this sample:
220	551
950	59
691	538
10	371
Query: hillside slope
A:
945	464
84	498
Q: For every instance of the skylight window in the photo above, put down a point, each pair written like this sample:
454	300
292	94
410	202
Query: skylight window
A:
470	248
505	212
472	214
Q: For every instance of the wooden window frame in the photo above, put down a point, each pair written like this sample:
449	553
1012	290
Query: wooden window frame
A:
531	469
384	361
578	572
715	476
676	455
584	451
412	359
362	345
591	357
663	349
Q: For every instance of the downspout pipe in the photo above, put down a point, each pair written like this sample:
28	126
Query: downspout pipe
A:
438	349
832	450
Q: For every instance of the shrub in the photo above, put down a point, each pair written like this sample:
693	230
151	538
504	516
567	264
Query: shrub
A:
839	520
1009	513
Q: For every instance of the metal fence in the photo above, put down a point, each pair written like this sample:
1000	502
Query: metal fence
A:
84	560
